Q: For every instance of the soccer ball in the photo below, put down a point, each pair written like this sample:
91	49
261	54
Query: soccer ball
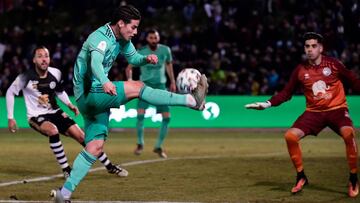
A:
187	80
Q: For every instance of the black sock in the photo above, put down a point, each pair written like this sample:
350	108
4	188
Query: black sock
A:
300	175
353	179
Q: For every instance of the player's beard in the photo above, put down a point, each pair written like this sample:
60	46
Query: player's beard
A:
153	46
42	68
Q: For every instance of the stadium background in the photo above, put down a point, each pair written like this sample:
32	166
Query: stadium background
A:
246	48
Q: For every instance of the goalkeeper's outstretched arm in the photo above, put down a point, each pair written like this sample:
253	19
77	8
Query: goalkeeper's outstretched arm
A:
258	105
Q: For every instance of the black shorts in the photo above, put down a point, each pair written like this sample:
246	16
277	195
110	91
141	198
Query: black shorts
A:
60	119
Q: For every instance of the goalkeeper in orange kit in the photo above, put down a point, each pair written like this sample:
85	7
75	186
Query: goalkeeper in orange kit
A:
321	78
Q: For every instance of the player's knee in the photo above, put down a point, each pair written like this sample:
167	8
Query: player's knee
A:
347	133
291	137
51	131
80	139
94	150
80	136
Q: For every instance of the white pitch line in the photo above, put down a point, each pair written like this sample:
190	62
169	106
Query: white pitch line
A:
133	163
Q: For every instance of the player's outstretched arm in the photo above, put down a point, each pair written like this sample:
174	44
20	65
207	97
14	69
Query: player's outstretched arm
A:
258	105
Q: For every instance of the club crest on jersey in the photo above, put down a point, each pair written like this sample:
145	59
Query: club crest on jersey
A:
102	46
326	71
52	85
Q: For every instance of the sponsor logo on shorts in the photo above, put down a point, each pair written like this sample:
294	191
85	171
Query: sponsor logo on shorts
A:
347	114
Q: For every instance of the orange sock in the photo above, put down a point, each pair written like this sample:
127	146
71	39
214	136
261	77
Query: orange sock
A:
293	146
348	135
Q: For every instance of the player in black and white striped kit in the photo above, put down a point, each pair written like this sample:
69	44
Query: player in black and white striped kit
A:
41	85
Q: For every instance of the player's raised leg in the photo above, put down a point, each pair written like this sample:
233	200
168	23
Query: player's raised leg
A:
196	100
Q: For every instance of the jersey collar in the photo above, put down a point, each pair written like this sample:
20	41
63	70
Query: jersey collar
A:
110	31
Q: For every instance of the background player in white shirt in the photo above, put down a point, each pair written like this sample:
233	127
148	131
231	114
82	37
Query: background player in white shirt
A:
41	85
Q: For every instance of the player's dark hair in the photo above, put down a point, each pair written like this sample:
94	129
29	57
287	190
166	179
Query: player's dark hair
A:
125	13
37	48
151	31
313	35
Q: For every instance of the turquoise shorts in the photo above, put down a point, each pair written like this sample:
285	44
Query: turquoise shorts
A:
160	108
95	109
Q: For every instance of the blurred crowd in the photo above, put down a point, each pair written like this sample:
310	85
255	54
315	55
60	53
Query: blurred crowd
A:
246	47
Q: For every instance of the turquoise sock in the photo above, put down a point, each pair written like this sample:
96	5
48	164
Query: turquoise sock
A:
162	97
81	167
163	132
140	129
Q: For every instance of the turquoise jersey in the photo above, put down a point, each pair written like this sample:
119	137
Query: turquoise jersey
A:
155	73
104	42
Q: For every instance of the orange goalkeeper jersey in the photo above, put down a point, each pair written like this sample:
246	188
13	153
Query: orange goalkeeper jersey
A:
322	85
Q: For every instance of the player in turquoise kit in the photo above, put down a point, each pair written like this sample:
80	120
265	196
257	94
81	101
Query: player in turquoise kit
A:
96	94
153	75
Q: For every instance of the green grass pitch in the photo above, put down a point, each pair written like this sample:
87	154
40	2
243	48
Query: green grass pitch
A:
203	166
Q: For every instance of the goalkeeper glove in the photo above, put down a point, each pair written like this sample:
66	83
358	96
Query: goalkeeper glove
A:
258	105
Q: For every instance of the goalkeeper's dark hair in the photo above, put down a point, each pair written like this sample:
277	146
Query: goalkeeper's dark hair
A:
125	13
37	48
313	35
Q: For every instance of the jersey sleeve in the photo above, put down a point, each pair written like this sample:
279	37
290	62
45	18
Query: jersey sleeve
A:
18	84
59	80
63	96
131	55
286	94
14	89
168	55
98	43
97	67
347	76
